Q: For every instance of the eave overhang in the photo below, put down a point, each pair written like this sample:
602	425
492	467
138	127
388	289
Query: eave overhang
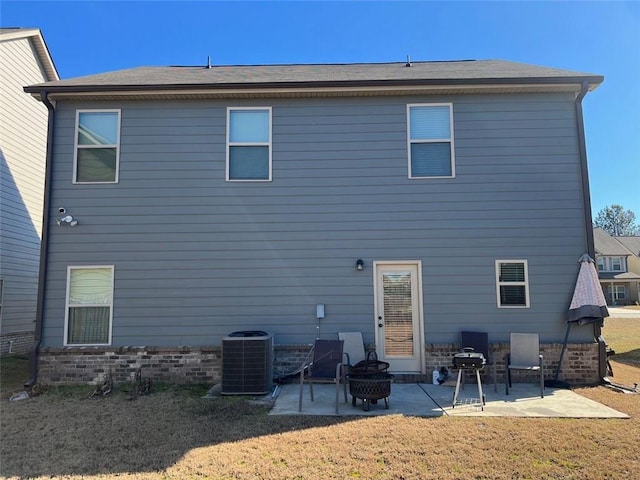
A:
311	89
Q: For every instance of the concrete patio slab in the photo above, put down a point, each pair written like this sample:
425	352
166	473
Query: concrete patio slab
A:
424	400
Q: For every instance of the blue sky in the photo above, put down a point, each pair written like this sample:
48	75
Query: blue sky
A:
595	37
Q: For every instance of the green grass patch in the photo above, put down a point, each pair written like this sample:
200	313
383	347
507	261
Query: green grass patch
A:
623	336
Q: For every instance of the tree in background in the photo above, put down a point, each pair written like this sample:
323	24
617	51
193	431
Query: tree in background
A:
617	221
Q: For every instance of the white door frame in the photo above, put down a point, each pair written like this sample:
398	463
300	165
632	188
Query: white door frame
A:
415	364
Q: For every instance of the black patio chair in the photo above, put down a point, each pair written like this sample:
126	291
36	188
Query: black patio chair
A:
479	342
323	365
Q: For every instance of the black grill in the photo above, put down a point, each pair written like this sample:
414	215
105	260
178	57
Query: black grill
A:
469	360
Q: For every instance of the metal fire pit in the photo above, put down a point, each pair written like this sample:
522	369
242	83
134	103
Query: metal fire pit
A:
370	387
368	367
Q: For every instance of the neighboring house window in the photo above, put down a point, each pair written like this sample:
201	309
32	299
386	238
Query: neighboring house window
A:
616	264
612	264
619	292
430	140
97	146
512	284
89	305
249	144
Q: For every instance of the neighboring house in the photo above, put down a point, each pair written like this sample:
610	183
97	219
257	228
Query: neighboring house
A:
408	202
618	261
24	60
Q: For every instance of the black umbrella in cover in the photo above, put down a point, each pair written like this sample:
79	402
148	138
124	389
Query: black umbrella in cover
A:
588	304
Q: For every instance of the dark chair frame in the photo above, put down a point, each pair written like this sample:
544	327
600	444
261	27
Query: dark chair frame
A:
324	365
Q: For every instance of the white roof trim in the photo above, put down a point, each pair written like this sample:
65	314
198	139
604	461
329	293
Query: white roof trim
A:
35	36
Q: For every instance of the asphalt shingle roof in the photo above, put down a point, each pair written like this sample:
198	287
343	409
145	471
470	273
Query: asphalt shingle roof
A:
632	243
608	245
449	72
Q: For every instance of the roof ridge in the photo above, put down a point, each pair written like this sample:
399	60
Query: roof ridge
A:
330	64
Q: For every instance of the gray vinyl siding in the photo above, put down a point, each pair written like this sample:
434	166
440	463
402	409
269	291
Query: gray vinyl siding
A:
23	140
197	257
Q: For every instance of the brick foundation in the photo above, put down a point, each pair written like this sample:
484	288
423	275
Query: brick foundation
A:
579	365
73	365
66	366
16	343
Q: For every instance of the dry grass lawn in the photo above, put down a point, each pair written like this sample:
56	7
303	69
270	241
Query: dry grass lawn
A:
175	434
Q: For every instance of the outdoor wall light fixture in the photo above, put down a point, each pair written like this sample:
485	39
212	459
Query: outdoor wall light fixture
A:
359	264
67	219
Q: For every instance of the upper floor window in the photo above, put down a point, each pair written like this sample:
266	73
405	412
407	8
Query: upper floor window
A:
616	264
512	283
97	149
612	264
89	305
249	144
430	140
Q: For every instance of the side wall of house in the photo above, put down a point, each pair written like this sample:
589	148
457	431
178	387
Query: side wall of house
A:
196	257
23	123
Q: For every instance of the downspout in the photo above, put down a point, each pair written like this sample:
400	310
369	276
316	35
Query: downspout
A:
584	171
44	241
588	219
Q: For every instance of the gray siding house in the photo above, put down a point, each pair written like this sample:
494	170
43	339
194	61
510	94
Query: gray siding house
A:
411	201
24	59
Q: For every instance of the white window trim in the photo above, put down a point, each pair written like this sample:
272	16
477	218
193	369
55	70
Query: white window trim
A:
67	306
525	283
268	144
76	146
431	140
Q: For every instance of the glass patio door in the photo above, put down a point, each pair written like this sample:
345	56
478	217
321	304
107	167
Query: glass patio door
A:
399	338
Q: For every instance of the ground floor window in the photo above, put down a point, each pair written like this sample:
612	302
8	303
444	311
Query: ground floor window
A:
512	283
618	292
89	305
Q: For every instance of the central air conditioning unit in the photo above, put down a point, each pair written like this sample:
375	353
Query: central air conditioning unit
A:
247	363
